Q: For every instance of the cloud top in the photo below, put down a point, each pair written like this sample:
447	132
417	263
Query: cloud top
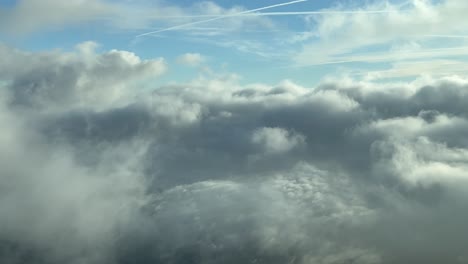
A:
95	170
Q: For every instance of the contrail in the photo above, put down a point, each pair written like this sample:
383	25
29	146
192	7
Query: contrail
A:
290	13
220	17
318	13
379	57
446	36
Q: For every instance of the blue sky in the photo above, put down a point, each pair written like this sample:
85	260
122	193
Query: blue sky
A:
363	39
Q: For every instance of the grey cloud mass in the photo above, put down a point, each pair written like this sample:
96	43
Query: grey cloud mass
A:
94	169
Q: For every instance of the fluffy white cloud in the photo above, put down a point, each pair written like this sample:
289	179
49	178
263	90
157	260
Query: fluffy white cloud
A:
190	59
82	78
215	171
422	162
276	140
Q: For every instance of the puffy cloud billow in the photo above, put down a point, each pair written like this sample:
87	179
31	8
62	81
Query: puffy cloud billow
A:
96	169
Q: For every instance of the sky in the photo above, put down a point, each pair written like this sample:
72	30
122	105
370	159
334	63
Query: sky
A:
367	39
301	132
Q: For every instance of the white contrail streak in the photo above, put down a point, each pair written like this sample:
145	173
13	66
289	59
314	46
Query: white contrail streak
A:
388	57
318	13
291	13
446	36
220	17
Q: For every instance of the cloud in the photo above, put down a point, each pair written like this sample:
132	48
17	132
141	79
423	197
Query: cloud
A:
53	207
220	17
31	15
434	67
276	140
129	17
366	37
95	170
191	59
65	80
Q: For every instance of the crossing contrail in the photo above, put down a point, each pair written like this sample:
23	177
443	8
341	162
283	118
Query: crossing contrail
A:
289	13
220	17
294	13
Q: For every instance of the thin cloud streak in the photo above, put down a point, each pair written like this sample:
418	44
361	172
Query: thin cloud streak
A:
414	69
289	13
220	17
447	36
295	13
387	57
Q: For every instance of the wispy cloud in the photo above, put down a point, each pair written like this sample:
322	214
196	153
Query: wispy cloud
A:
220	17
437	30
434	67
392	56
447	36
191	59
286	13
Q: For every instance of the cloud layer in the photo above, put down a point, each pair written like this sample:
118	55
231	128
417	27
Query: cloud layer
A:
93	169
27	16
422	35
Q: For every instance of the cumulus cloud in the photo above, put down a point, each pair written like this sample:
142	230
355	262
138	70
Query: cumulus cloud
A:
190	59
54	80
276	140
95	170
